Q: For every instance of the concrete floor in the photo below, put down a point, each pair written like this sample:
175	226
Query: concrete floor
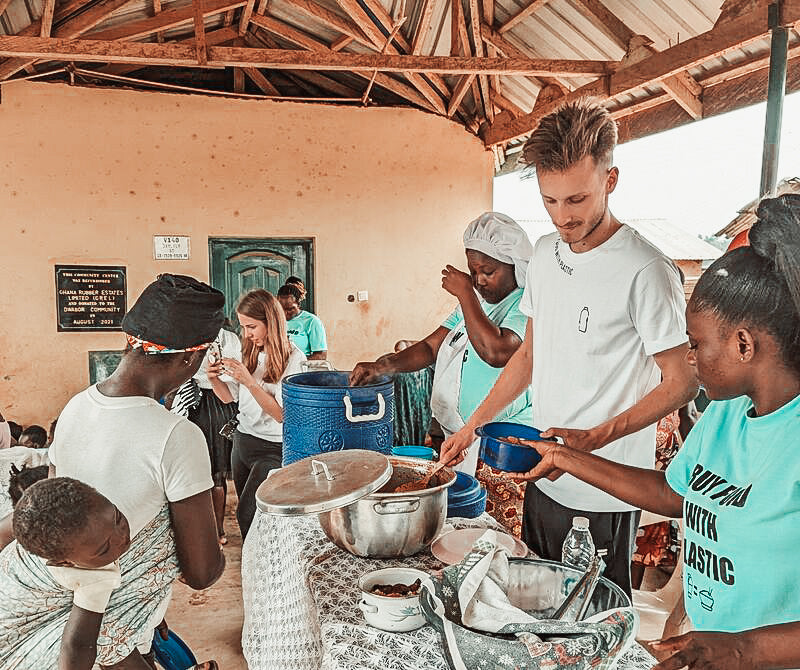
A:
210	621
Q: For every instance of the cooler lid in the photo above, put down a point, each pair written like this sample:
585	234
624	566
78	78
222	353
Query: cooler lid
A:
323	482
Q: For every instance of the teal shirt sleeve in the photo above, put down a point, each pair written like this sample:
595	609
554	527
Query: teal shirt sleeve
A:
316	334
454	319
679	471
515	321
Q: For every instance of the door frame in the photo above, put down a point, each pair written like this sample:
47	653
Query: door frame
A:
216	257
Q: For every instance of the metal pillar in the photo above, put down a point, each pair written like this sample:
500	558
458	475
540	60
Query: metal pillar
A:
776	89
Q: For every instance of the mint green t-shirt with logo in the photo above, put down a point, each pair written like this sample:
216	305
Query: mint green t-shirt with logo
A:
307	333
477	376
740	479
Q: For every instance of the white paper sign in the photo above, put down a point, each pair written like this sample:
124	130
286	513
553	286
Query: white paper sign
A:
171	247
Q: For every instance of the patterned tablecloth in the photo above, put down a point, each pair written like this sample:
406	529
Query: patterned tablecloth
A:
300	605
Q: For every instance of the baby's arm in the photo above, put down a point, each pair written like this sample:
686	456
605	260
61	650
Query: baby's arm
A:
79	641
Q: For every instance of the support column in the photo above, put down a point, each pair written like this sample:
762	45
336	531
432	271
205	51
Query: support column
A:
778	58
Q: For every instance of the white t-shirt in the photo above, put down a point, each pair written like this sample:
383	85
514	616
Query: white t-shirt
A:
253	420
91	589
599	317
136	453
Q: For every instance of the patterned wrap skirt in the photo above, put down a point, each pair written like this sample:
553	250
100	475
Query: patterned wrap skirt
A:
34	607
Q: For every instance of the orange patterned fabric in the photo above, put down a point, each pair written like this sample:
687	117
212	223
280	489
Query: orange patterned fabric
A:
504	499
153	348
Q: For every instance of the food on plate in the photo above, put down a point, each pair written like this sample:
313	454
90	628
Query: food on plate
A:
514	440
396	590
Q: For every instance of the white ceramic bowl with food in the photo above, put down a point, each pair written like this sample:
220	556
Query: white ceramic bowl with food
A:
396	614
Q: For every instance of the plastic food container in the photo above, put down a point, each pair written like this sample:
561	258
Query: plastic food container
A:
413	451
507	456
466	498
393	614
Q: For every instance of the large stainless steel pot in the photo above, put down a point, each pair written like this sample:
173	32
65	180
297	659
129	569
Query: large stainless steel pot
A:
392	525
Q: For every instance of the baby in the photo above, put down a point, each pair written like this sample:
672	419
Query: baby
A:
81	535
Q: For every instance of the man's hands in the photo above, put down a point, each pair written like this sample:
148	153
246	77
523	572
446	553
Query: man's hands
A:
703	651
457	283
364	373
454	448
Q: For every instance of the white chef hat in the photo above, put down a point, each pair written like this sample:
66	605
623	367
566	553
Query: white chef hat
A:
501	238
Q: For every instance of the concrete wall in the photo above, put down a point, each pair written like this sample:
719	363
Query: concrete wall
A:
89	176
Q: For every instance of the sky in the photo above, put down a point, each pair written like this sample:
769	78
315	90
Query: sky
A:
697	176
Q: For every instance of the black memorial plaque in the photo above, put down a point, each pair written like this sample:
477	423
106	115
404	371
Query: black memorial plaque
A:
90	297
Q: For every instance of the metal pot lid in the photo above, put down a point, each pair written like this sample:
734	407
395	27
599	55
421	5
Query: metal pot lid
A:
323	482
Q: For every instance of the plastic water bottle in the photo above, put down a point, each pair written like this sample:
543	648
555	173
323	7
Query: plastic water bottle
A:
578	548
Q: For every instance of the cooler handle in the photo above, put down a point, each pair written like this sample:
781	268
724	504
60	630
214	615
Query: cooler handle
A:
348	410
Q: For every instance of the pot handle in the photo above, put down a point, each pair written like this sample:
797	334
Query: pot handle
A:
367	609
398	506
348	410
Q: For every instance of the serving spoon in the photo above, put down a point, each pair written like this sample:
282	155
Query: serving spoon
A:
420	484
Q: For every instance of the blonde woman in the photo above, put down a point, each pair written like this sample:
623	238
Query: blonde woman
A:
267	357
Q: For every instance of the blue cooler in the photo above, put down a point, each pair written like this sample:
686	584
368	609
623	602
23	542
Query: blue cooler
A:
322	413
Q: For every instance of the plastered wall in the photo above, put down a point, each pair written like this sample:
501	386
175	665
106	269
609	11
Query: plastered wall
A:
90	175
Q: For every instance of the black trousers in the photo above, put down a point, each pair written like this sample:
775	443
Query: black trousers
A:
545	524
251	460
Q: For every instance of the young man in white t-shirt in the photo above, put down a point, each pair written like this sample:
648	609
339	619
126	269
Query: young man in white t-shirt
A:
605	347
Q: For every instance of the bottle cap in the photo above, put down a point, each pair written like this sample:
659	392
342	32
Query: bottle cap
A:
580	523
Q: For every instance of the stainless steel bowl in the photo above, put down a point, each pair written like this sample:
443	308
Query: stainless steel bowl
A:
392	525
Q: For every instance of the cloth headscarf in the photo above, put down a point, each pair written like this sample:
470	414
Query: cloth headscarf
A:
174	313
500	237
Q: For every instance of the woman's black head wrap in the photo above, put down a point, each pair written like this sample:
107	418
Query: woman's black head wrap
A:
176	311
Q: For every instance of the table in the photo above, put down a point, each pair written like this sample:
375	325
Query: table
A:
300	604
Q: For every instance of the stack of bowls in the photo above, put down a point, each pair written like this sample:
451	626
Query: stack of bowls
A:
466	497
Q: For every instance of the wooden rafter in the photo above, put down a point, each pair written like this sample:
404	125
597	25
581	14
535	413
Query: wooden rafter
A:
169	18
177	55
621	34
290	33
244	19
341	42
387	23
464	48
397	87
70	29
423	26
238	80
157	10
534	6
331	20
47	17
362	19
3	6
459	92
686	92
261	81
505	104
483	80
718	41
199	32
505	47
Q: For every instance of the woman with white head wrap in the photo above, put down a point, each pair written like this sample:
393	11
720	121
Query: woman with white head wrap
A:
473	344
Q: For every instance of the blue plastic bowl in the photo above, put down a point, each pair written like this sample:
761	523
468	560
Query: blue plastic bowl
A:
469	509
463	489
413	451
507	456
173	653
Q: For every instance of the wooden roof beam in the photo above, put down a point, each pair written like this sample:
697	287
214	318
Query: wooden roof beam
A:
483	80
716	42
261	81
47	18
464	48
290	33
620	33
423	26
331	20
70	29
167	19
390	84
218	56
523	14
199	32
4	6
244	19
458	93
686	92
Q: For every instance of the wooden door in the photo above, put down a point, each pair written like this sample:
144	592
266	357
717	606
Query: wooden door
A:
239	265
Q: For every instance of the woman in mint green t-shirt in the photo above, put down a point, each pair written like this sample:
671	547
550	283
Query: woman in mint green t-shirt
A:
471	347
305	329
735	482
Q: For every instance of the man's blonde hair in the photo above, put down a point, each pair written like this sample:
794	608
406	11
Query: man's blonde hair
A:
569	134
